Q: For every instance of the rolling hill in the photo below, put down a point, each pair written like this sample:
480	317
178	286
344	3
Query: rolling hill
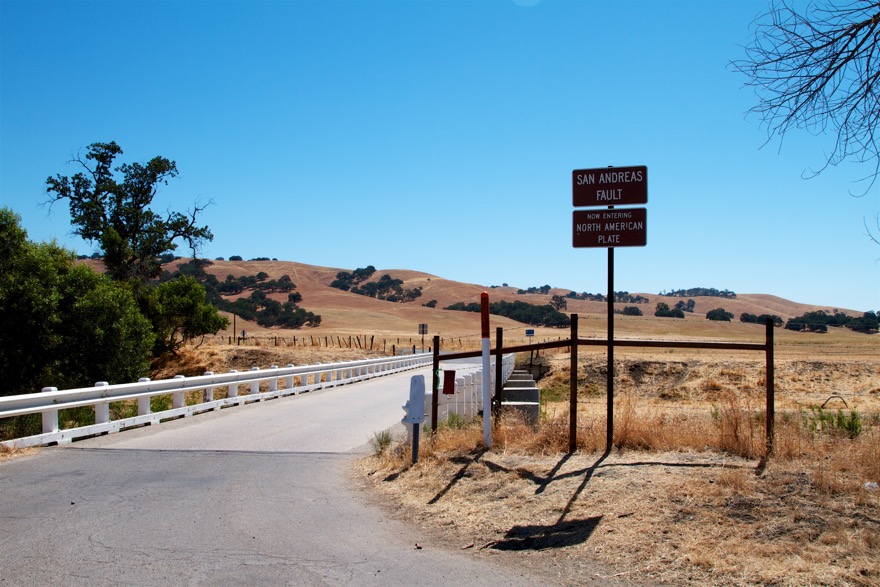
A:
347	313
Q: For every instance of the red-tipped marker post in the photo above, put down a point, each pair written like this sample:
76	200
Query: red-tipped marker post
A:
487	374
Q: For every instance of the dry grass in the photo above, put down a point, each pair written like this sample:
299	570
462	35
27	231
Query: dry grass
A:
684	497
7	453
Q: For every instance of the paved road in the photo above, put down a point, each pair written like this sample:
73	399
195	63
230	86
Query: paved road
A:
258	494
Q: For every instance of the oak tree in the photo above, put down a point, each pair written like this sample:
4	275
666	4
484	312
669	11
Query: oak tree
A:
111	206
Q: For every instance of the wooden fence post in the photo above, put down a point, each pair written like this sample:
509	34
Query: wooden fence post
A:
771	385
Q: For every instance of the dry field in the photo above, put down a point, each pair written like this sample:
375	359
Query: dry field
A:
684	497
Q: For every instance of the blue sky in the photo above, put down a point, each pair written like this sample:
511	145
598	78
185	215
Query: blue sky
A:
438	136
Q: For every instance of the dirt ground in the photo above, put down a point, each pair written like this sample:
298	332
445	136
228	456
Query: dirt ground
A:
676	518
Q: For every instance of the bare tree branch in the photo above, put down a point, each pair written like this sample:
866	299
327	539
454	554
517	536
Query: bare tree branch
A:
817	70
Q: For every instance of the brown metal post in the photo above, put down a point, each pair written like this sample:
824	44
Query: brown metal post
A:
499	385
573	402
771	386
609	381
435	384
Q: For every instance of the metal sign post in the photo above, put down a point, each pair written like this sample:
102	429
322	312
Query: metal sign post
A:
487	375
614	227
609	379
530	332
423	330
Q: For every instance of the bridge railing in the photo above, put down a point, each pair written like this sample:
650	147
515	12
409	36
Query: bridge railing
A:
467	399
256	385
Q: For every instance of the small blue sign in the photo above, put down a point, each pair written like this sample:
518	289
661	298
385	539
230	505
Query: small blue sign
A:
530	332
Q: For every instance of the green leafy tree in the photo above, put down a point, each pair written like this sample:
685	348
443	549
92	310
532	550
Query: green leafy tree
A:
662	311
103	335
111	206
63	324
180	312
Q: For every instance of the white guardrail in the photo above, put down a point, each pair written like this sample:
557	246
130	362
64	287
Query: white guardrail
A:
280	381
467	400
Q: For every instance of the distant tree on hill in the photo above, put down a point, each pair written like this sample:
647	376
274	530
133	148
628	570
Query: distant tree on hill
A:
345	280
526	313
686	306
819	321
386	288
662	311
544	289
753	319
719	315
558	302
258	306
631	311
700	292
585	296
236	258
624	297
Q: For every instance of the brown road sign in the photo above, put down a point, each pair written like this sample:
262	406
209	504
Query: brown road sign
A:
621	227
610	186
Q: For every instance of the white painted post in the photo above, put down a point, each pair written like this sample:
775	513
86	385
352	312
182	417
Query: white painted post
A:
487	386
255	385
232	389
50	417
461	405
478	390
102	410
288	382
208	395
144	401
177	398
470	384
273	383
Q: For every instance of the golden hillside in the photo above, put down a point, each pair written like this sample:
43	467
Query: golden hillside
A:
347	313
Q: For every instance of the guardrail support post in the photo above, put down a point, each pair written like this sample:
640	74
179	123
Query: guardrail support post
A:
288	382
208	395
273	383
177	398
144	402
232	389
255	385
50	417
102	409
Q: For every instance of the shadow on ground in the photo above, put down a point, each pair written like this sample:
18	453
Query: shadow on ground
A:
558	535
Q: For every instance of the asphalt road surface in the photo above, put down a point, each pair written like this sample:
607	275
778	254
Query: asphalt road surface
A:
259	494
